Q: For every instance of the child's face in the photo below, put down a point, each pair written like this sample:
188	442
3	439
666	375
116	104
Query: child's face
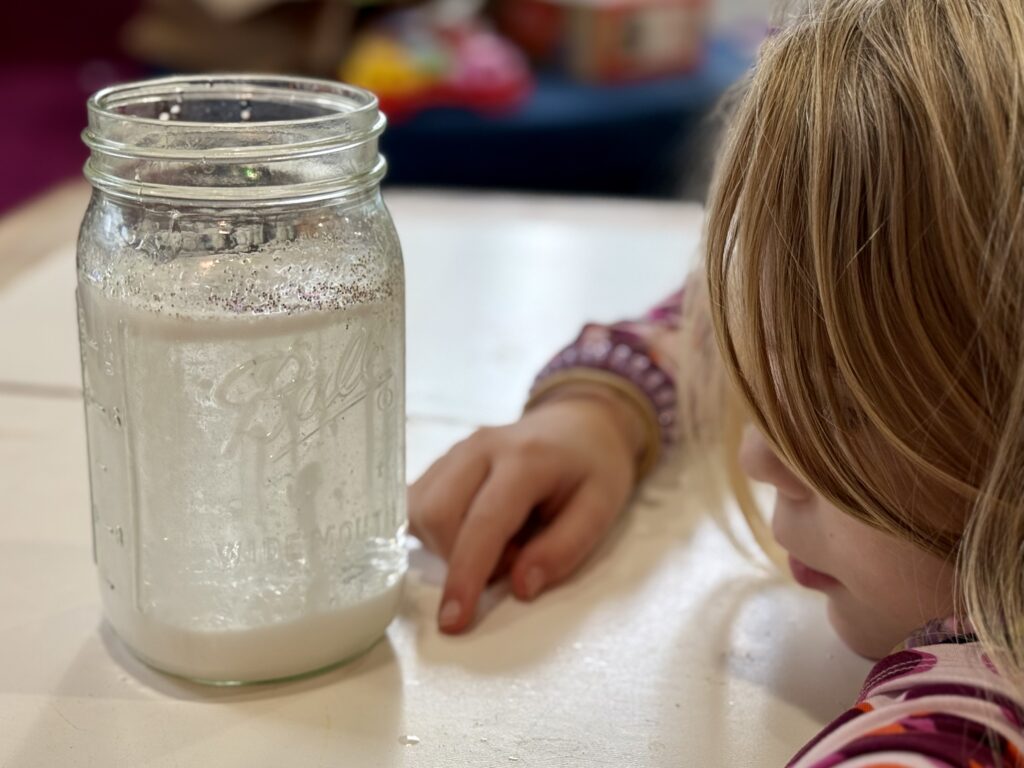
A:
879	588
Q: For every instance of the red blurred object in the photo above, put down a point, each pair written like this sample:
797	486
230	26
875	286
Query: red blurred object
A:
536	26
609	41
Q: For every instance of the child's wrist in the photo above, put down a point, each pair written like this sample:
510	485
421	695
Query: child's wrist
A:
624	404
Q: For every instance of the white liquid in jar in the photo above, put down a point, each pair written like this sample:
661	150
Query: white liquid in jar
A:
270	652
247	478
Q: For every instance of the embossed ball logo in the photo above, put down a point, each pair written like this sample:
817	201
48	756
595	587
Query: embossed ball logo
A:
284	398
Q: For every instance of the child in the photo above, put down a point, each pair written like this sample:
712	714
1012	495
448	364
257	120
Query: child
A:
865	281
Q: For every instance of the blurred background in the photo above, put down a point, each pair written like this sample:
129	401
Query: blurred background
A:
598	97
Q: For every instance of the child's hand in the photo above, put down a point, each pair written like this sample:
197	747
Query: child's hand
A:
532	499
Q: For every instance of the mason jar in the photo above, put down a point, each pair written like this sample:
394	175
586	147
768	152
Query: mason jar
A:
241	314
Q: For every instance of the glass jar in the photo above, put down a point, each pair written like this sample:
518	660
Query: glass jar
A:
241	314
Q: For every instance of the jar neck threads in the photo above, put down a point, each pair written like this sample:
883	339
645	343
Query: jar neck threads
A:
256	140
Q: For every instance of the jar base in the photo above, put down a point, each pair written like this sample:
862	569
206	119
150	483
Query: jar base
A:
261	654
354	657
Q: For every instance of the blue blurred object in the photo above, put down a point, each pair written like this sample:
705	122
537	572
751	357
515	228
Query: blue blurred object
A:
572	137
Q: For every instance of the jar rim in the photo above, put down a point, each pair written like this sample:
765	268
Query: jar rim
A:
145	133
356	101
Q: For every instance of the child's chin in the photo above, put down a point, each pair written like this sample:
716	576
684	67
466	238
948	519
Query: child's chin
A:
862	634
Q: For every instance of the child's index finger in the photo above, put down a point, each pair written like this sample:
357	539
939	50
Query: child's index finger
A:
496	515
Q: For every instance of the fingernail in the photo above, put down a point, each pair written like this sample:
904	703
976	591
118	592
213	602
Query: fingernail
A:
534	582
450	613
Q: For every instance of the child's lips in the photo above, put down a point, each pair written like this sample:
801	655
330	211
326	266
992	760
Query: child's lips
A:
810	578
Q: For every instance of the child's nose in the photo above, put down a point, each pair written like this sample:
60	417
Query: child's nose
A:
759	460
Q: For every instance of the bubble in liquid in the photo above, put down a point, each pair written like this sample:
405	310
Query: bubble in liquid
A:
245	114
165	116
175	109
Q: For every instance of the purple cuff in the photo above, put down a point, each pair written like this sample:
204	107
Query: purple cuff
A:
622	353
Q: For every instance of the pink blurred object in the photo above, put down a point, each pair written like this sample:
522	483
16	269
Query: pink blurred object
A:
413	62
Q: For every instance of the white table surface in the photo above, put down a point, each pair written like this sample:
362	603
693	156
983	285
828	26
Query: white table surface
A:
669	648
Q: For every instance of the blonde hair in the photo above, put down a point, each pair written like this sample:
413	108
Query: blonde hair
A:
865	251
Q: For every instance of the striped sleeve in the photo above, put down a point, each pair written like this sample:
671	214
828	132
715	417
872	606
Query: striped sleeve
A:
940	706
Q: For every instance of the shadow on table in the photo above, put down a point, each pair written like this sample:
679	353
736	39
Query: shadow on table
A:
765	629
767	632
87	706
